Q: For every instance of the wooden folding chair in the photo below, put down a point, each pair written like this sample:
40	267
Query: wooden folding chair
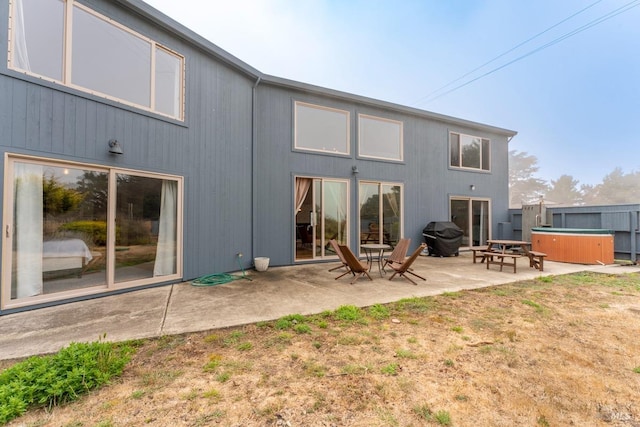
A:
358	268
403	269
336	249
399	253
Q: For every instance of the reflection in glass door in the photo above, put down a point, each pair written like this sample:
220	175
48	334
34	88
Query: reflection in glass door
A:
473	217
321	215
380	213
74	230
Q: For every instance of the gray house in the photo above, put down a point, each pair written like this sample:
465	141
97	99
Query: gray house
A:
137	153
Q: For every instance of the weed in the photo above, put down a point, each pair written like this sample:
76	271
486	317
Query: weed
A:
462	398
355	369
349	313
533	304
636	369
212	394
448	362
387	417
545	279
317	344
423	411
405	354
138	394
379	312
349	340
443	418
457	329
542	421
295	356
412	340
212	338
245	346
452	295
416	305
390	369
302	328
207	419
314	369
223	377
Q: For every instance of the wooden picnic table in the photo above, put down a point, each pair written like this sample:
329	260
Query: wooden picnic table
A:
498	249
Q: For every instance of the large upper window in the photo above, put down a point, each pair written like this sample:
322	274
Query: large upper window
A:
321	129
68	43
379	138
469	152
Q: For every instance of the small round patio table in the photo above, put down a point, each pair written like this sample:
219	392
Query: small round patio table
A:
371	249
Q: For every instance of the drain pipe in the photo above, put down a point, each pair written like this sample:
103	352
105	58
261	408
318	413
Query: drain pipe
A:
254	169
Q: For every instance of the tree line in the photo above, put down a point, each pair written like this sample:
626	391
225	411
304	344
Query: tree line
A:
525	188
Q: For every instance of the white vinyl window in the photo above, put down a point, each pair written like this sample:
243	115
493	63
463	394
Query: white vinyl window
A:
379	138
321	129
69	43
74	229
469	152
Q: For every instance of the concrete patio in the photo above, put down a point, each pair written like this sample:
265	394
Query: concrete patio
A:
279	291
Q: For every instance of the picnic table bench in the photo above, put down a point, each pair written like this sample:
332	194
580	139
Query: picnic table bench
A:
502	259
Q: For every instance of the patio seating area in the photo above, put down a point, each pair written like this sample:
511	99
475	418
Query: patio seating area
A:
277	292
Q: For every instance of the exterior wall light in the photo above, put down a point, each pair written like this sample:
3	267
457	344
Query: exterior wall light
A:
115	147
472	187
354	170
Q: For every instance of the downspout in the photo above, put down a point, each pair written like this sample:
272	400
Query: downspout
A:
254	168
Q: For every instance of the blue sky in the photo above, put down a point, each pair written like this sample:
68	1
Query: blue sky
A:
575	103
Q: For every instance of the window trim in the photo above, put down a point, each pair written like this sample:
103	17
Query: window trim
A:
460	160
67	53
110	284
381	119
347	115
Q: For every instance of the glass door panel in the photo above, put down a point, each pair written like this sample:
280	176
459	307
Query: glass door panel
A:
473	217
460	217
321	215
146	210
380	213
59	229
480	222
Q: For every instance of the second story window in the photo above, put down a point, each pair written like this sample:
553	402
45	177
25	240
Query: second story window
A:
68	43
469	152
379	138
321	129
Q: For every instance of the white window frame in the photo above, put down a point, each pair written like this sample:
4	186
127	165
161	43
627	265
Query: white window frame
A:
296	130
67	61
483	161
110	284
363	119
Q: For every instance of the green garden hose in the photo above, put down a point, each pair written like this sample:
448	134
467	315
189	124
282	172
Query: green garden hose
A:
220	278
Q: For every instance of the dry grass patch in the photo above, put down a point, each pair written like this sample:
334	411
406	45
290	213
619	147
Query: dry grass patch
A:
556	351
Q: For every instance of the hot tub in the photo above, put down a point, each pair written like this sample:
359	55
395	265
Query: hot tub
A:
574	245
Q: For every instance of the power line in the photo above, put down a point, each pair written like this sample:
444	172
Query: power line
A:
505	53
612	14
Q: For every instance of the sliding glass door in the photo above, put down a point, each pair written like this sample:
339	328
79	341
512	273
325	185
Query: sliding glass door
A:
473	216
321	215
72	230
380	212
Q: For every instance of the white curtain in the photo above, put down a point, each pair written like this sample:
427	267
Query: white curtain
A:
20	52
28	229
302	188
165	263
337	192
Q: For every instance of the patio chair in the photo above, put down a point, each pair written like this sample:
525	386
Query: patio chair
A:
336	249
398	254
403	269
357	267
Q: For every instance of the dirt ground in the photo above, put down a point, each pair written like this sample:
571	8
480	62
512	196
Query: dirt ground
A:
559	351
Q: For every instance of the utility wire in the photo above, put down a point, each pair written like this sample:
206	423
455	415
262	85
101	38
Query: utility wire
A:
590	24
505	53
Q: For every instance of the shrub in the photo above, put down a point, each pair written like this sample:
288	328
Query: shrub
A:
59	378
